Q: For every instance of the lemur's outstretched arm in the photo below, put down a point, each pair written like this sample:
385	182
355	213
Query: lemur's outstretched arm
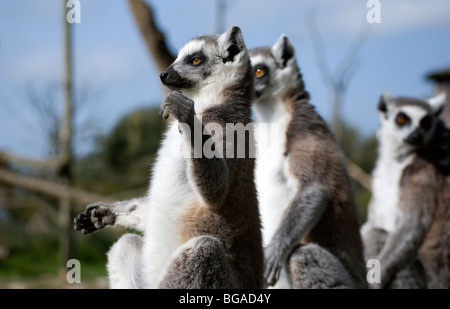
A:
128	214
208	175
302	214
416	206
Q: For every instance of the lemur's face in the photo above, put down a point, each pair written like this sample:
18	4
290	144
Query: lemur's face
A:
275	69
207	60
409	122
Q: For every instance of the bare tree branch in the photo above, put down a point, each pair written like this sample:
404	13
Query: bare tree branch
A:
44	103
319	48
45	205
51	188
348	60
48	164
339	81
359	175
152	35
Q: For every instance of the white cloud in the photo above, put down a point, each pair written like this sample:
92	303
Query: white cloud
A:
397	17
342	17
409	15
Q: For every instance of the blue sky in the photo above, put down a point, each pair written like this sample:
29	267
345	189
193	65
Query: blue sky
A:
110	58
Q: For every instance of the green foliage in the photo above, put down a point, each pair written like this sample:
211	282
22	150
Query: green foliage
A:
361	150
135	136
124	157
29	228
33	256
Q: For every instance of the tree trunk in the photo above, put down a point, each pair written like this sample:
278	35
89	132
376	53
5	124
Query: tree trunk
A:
65	171
336	121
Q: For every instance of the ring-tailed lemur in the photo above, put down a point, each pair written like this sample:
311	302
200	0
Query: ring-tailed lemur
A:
200	218
408	226
309	216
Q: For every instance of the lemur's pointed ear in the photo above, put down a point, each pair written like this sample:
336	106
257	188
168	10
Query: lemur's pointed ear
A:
437	103
385	99
283	51
231	43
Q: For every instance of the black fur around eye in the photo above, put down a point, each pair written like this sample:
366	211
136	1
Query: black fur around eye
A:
195	59
402	119
426	123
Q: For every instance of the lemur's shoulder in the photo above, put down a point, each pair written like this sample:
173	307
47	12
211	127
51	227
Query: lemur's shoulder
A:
305	121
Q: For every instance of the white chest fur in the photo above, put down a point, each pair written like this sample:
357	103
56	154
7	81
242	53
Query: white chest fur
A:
170	191
386	184
276	187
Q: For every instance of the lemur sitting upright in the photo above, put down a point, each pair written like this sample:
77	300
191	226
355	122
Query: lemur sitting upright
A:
408	225
309	216
200	218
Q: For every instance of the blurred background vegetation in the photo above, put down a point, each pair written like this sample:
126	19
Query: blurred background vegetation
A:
29	221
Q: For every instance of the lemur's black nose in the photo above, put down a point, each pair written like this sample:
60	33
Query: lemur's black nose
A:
415	138
163	75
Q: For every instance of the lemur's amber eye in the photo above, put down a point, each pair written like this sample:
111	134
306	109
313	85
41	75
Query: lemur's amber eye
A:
259	72
196	61
401	119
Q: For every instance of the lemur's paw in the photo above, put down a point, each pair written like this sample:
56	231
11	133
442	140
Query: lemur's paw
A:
95	217
179	106
274	264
